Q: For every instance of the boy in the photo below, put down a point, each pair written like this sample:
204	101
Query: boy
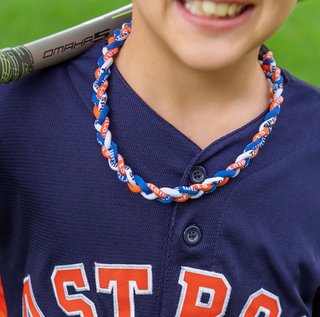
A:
186	95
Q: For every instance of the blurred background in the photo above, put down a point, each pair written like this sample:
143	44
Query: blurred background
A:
296	45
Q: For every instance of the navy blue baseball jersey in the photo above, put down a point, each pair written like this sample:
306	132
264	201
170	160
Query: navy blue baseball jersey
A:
75	241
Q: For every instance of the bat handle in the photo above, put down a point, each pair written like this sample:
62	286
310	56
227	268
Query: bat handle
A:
15	63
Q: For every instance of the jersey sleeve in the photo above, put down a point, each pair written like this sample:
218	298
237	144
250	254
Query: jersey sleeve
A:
7	127
2	153
316	304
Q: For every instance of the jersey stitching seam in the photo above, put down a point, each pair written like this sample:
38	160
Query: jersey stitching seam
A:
166	278
297	148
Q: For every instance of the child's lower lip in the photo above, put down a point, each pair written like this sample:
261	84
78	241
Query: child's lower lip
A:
214	24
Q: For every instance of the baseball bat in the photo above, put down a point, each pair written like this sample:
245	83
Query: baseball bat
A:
21	60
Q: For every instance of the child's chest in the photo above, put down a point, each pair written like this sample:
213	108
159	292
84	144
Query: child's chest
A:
93	252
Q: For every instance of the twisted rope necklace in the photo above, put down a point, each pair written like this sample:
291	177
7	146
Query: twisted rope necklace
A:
179	193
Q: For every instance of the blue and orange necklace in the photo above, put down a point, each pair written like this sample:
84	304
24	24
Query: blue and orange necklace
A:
180	193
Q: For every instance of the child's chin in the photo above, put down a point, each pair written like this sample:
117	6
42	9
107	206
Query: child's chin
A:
209	63
209	57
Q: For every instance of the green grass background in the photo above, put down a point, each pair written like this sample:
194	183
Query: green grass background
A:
296	45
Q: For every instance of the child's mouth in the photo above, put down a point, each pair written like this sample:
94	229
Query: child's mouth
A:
215	10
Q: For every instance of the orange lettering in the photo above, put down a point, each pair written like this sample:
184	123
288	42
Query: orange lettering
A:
195	285
29	305
72	275
262	302
124	281
3	306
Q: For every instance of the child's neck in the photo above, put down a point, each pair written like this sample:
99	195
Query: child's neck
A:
203	105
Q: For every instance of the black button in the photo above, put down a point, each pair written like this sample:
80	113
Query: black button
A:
192	235
197	175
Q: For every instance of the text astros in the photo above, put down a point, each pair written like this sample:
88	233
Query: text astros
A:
203	293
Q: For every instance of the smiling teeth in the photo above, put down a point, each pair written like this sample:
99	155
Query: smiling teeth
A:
212	9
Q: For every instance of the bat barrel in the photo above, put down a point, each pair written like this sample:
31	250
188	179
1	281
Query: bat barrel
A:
60	47
15	63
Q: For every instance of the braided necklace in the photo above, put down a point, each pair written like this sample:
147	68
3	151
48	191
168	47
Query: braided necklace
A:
180	193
